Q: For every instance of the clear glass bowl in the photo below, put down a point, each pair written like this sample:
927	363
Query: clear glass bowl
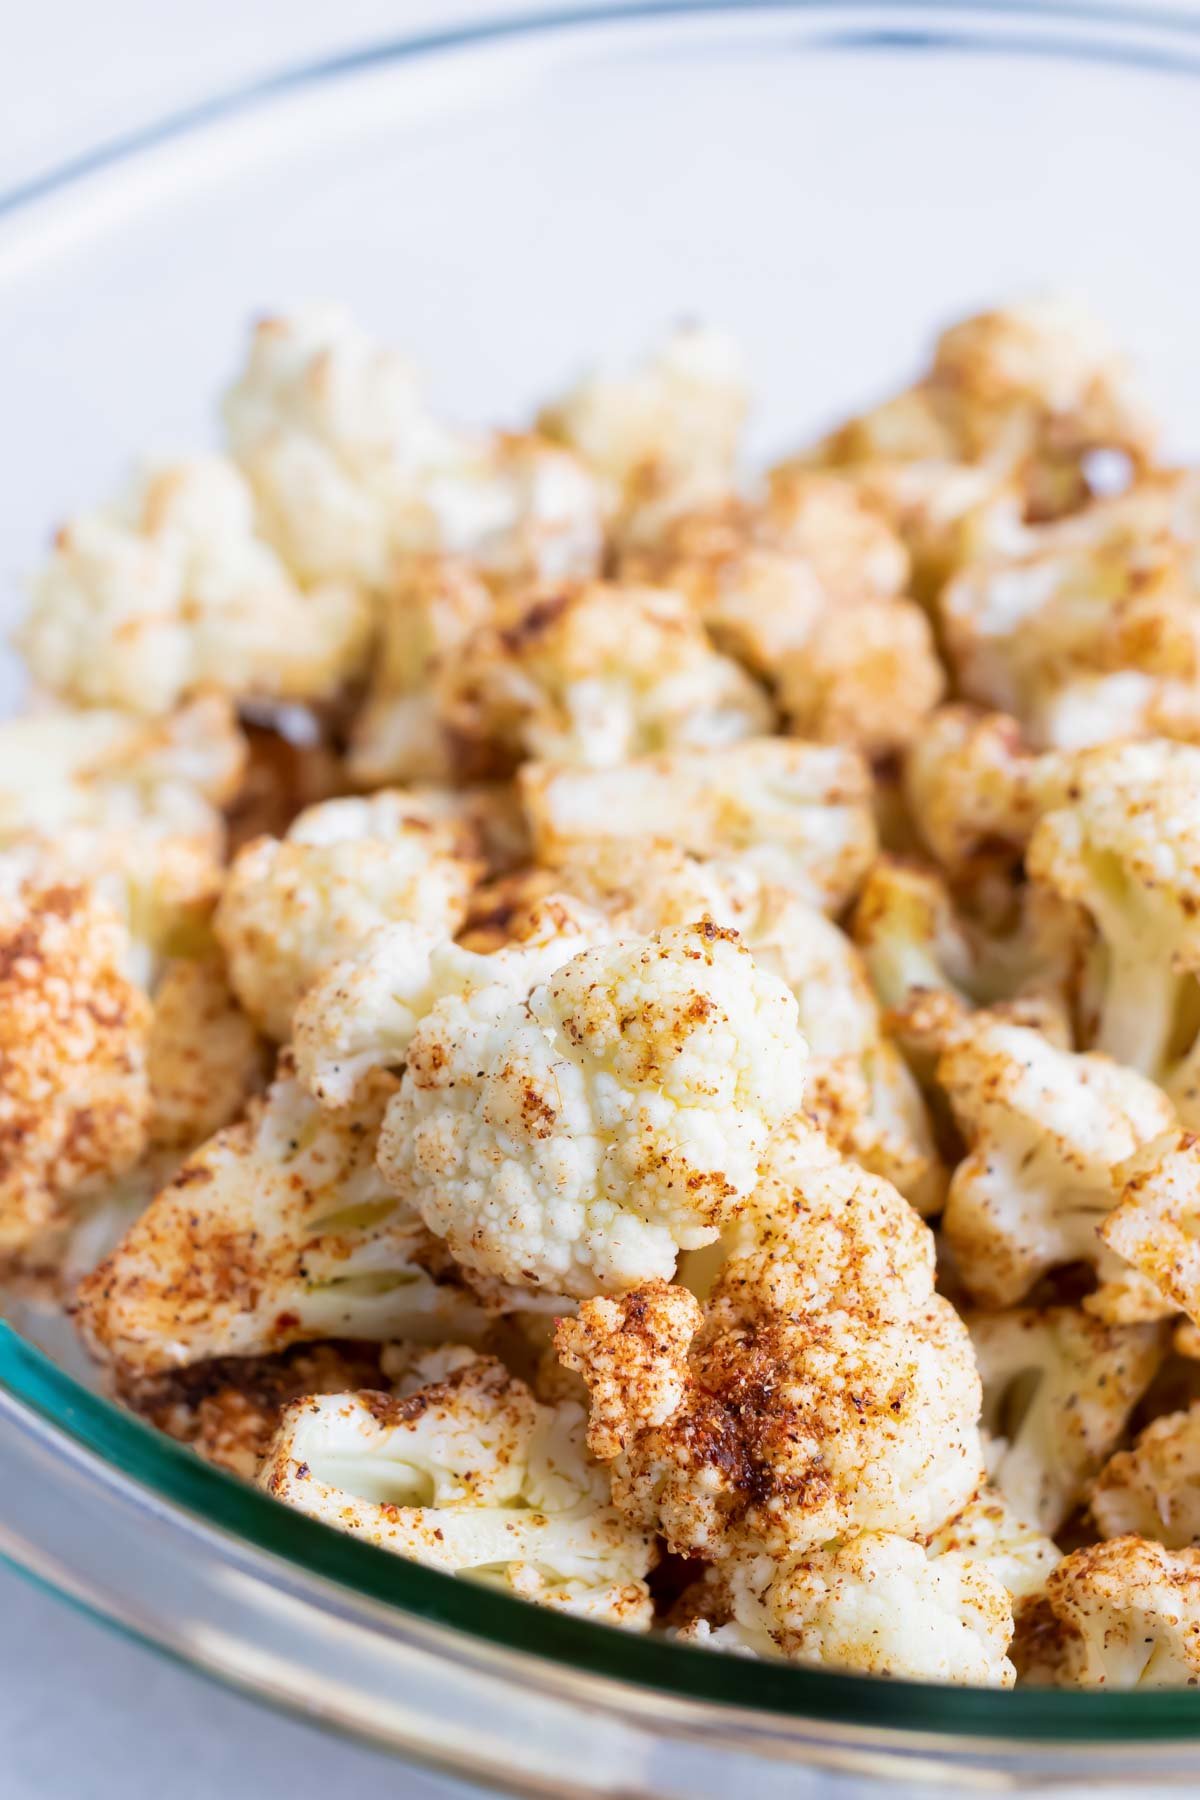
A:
829	180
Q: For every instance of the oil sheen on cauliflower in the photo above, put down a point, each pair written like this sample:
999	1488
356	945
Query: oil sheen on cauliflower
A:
290	907
1124	1614
170	591
579	1139
797	815
74	1097
824	1390
279	1229
471	1474
1044	1129
1058	1387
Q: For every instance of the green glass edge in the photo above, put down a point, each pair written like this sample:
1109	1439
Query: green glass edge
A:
177	1475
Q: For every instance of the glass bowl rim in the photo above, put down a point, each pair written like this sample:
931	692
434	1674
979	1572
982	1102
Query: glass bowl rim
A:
33	1386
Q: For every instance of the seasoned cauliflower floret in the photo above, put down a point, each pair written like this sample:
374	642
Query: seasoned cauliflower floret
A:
361	1013
350	469
291	907
825	1388
798	815
127	804
1058	1387
590	675
1121	838
169	591
872	1604
1030	391
280	1228
988	1533
1153	1488
204	1058
73	1092
1044	1129
471	1475
666	433
1155	1225
970	785
1087	629
869	676
580	1138
1125	1614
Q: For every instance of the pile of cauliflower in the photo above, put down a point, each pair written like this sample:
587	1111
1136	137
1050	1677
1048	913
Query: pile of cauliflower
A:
633	1034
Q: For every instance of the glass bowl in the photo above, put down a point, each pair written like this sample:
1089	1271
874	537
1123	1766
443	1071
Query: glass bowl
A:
831	181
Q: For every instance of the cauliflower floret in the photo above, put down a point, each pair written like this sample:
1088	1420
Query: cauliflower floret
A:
361	1013
970	786
474	1476
1058	1387
228	1411
169	591
930	964
797	815
1087	630
429	612
291	907
204	1057
127	805
1153	1489
579	1139
1044	1129
590	675
1155	1223
1121	838
825	1388
989	1534
73	1094
665	435
873	1604
1125	1614
280	1228
868	676
1031	391
349	467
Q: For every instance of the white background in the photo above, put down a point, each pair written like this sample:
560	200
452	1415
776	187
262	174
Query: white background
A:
82	1713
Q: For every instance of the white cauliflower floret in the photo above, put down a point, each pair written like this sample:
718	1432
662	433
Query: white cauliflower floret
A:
869	676
579	1139
1058	1387
471	1475
590	675
1086	630
1044	1129
1155	1224
930	964
361	1014
798	815
872	1604
73	1091
170	591
1121	838
1125	1614
291	907
988	1533
428	613
278	1229
970	786
1030	391
1153	1489
825	1388
204	1057
128	805
665	434
350	468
